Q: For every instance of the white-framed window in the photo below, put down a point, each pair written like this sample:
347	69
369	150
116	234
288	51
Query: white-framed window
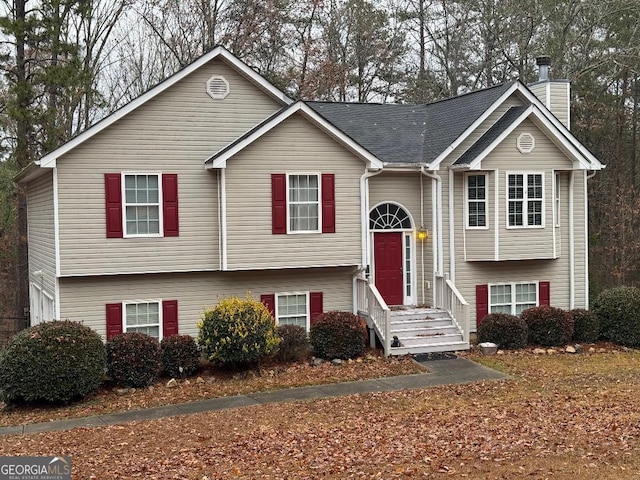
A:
144	317
303	202
293	309
142	201
408	271
476	199
525	200
512	298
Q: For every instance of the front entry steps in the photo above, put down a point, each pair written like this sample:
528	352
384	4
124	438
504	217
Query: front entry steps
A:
424	330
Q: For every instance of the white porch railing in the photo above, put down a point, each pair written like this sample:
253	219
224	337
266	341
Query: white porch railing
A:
448	298
372	306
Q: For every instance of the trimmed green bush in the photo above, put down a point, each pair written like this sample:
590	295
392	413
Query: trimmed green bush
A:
618	310
180	356
338	335
586	326
506	331
54	361
548	326
238	332
294	343
133	359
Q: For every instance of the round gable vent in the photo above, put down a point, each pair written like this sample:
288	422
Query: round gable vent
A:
217	87
526	143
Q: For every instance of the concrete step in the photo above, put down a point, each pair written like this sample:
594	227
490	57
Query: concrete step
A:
421	323
403	330
430	348
429	338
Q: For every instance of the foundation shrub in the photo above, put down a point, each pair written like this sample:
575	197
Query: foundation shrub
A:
56	361
586	326
506	331
618	311
294	343
548	326
133	359
238	332
338	335
180	356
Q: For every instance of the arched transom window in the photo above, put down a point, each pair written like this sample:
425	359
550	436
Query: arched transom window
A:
389	216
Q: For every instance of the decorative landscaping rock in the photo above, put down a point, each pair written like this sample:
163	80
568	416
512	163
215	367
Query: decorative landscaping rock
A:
316	362
539	351
570	349
121	391
199	380
173	383
551	351
337	361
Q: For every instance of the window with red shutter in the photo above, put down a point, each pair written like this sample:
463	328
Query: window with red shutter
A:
169	318
170	204
544	293
114	319
269	301
278	203
482	302
316	307
113	200
328	203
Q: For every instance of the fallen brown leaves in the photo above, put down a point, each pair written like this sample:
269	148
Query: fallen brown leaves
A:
562	417
217	383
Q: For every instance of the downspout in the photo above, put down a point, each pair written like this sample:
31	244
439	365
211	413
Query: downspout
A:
223	206
364	215
572	273
219	177
436	215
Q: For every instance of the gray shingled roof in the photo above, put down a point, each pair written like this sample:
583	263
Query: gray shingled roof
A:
409	133
490	135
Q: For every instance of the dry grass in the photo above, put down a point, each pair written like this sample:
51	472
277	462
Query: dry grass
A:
561	417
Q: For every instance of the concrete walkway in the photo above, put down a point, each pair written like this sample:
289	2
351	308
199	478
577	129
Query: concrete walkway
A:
441	372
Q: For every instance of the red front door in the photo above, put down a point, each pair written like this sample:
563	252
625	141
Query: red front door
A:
387	251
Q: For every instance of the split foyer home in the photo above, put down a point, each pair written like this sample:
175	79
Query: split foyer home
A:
421	218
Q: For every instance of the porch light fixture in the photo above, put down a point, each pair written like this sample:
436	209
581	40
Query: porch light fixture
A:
422	234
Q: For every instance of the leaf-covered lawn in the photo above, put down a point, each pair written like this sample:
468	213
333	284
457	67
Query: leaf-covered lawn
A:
216	383
561	417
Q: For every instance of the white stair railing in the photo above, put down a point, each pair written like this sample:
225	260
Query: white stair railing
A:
372	305
450	299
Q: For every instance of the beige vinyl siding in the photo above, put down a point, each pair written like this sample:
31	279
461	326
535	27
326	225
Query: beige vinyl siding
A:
404	189
579	240
173	133
555	96
478	243
293	147
40	218
85	299
545	158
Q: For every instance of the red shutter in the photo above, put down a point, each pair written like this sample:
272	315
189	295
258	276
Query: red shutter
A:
114	320
169	318
544	293
278	203
170	204
113	198
328	203
270	302
316	305
482	302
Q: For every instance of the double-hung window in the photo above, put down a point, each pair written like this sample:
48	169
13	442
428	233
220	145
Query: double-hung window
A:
304	203
477	201
525	199
143	317
512	298
142	204
292	309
